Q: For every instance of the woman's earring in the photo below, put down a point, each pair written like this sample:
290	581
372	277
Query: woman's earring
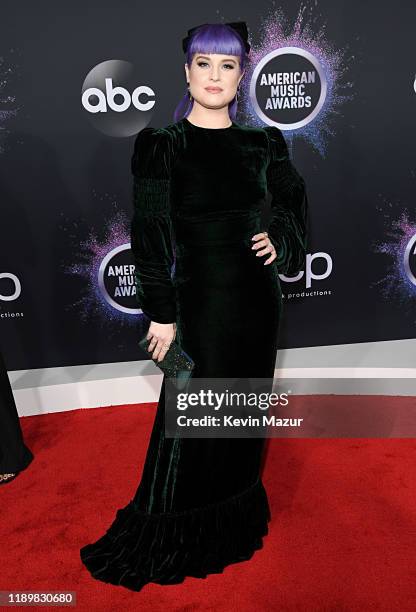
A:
189	93
236	94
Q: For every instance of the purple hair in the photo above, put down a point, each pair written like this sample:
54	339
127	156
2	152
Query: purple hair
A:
212	38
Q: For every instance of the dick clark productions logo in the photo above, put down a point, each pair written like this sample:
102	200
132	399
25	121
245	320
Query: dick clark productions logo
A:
288	88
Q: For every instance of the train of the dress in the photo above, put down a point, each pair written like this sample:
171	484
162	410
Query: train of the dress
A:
165	548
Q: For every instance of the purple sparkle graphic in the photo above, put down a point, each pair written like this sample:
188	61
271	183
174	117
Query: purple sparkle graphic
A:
398	282
275	32
6	113
91	253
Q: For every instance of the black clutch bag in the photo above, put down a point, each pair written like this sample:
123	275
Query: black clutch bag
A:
176	364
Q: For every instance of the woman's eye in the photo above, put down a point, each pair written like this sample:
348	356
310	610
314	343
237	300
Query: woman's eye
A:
206	64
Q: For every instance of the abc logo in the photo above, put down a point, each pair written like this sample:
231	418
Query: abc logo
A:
115	99
107	100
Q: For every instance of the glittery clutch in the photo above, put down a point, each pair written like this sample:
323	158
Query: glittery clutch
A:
176	364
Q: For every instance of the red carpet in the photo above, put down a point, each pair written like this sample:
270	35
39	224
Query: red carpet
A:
342	536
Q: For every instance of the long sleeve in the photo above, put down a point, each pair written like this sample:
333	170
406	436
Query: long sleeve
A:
151	227
288	227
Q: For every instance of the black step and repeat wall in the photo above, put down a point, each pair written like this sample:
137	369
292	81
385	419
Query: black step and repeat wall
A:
78	81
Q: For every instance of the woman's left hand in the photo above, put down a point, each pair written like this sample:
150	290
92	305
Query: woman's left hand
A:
264	240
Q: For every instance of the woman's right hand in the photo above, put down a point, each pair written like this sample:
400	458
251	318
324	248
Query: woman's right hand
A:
161	335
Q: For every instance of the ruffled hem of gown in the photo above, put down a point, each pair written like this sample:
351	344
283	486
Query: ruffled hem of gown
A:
165	548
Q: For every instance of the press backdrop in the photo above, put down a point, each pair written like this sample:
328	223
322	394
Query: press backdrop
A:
65	264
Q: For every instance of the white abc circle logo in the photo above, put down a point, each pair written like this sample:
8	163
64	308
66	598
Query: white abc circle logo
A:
116	102
107	100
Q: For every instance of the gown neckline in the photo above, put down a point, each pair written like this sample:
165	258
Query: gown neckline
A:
199	127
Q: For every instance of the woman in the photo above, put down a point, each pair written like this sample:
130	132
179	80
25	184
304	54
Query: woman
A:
199	186
15	456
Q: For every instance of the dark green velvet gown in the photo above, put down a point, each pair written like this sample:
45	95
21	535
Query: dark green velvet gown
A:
198	195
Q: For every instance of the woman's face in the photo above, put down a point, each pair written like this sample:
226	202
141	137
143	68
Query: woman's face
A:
213	78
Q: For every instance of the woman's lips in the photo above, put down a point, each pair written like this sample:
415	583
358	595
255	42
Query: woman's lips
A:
213	89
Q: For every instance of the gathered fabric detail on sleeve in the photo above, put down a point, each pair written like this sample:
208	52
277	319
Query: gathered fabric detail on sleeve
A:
151	227
288	227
